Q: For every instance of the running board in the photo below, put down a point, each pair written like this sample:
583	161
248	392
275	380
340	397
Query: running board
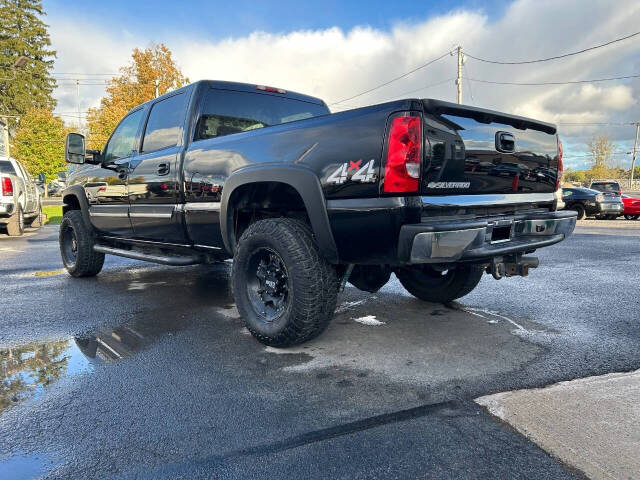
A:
176	261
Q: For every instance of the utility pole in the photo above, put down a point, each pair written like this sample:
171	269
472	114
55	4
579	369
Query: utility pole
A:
459	77
157	85
633	158
78	101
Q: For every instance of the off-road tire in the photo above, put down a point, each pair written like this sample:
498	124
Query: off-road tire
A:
15	227
632	217
312	282
427	284
36	222
86	262
579	210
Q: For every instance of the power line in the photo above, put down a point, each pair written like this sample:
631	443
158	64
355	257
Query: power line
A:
86	74
398	95
422	88
593	154
464	68
595	80
608	124
394	79
555	57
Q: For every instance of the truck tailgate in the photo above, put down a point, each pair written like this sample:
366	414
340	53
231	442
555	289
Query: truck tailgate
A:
471	151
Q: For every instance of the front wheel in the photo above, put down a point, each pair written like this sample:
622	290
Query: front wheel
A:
431	285
285	291
76	247
632	217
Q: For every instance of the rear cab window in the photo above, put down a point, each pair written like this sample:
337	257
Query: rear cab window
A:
6	167
609	187
225	112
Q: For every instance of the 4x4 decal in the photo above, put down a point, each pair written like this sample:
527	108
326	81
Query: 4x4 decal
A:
354	172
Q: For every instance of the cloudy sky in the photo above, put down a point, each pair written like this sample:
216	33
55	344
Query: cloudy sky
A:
337	49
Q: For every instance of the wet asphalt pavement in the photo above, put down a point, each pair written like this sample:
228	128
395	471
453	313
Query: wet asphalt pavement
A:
147	372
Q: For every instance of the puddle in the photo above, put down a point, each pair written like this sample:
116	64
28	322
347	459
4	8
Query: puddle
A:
22	467
25	371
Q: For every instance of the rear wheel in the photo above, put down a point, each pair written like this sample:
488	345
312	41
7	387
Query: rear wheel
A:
632	217
15	227
579	209
36	222
285	291
76	247
431	285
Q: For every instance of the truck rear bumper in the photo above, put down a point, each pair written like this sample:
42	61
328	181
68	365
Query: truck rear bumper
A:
6	209
472	240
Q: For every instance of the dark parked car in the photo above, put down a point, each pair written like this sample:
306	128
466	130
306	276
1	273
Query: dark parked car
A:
304	200
592	203
608	187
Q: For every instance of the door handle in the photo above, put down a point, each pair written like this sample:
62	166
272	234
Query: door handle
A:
164	169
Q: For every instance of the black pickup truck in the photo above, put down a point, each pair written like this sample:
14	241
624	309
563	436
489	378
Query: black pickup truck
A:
304	200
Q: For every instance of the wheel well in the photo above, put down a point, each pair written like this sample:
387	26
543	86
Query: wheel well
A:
257	201
70	203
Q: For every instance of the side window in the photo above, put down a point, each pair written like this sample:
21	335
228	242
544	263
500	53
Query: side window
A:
225	112
124	138
165	123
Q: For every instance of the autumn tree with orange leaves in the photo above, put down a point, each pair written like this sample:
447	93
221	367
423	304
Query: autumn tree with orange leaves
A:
135	85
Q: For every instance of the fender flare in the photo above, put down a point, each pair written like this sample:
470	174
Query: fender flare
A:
300	178
78	192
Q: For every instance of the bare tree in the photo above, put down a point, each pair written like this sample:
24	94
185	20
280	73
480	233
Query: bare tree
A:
601	149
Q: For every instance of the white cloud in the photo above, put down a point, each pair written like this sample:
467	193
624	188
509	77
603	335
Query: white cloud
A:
336	64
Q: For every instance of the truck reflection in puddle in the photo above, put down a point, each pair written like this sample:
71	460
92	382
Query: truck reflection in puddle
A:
125	340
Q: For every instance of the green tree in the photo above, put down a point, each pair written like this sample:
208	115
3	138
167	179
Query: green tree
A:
39	143
135	85
22	32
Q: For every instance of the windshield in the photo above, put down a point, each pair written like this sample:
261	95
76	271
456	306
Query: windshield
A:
606	187
7	167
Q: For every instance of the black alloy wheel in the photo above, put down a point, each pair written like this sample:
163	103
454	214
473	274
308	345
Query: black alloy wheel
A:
267	284
69	246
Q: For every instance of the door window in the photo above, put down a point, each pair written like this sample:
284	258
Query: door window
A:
165	123
123	139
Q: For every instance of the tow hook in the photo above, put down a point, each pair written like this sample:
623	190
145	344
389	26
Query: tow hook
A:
511	266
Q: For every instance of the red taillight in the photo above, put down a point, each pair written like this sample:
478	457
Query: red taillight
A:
270	89
7	187
404	155
560	165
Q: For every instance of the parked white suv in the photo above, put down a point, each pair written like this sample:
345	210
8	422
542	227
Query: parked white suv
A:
20	198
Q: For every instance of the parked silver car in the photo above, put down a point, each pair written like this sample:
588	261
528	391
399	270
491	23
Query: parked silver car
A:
20	198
